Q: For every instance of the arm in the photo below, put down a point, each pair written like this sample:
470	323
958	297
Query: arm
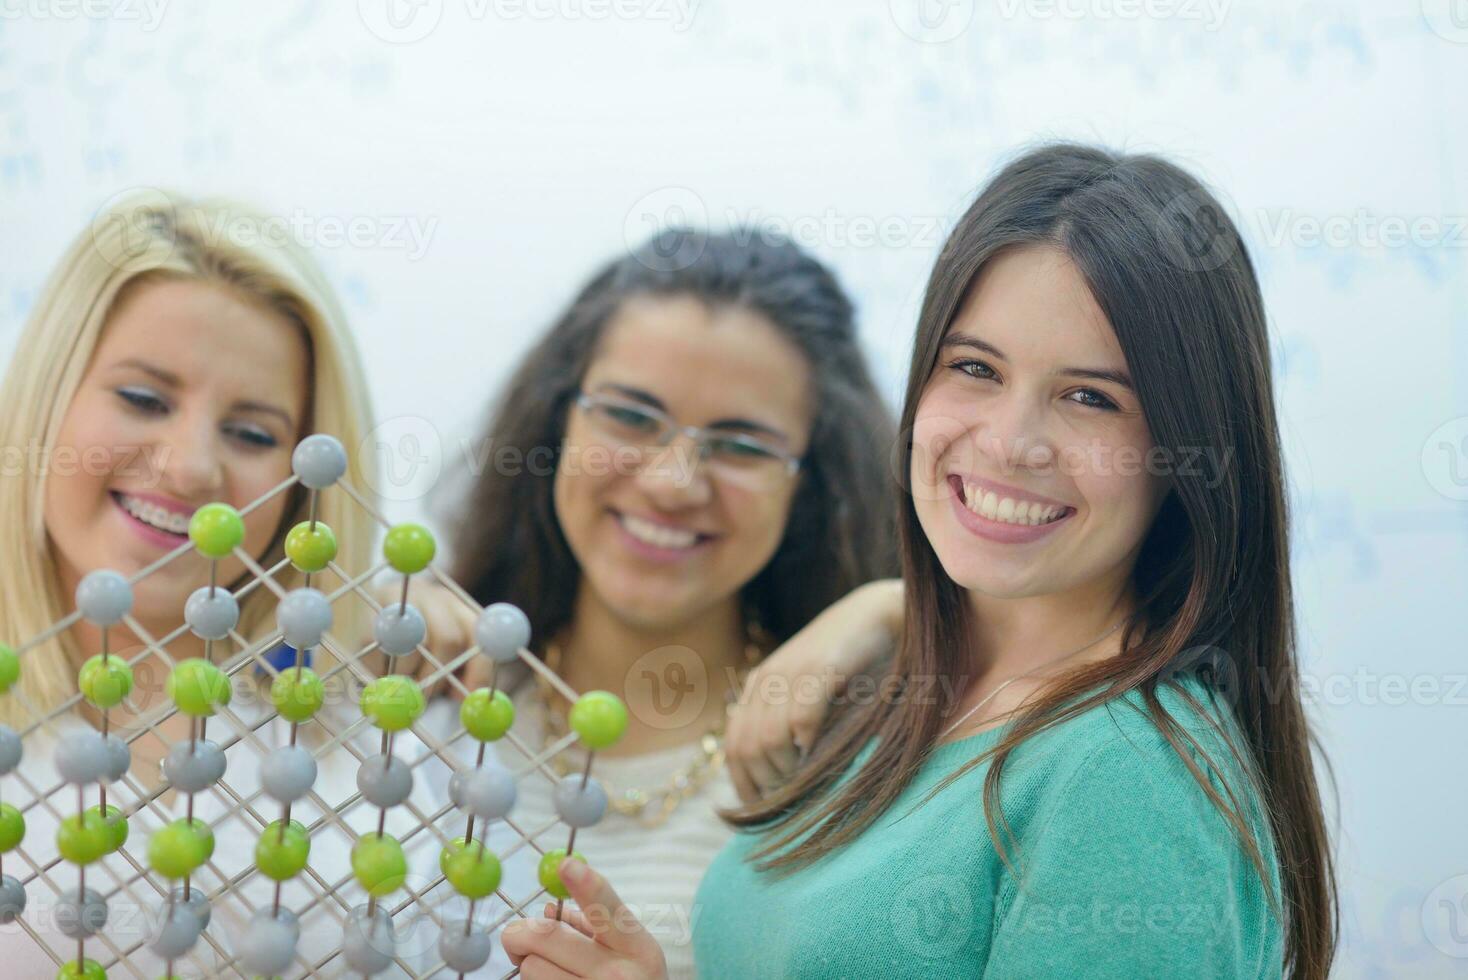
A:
787	696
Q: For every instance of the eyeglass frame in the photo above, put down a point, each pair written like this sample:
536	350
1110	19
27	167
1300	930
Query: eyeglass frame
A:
700	435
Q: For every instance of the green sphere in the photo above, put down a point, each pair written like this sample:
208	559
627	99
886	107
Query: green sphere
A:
83	838
117	827
550	871
12	827
486	716
88	970
9	668
297	693
599	718
379	864
198	687
310	550
456	844
393	702
179	848
473	870
105	680
408	548
216	530
280	859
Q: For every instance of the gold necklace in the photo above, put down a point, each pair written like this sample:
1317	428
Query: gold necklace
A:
649	807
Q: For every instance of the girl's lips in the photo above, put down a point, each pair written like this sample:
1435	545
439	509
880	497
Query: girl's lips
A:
147	532
998	530
655	553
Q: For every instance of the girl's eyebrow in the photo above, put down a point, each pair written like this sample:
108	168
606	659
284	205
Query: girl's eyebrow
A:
172	380
1115	376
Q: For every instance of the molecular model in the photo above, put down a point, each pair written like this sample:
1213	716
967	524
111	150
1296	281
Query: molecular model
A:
201	913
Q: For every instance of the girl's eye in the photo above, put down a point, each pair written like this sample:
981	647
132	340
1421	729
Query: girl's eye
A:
143	399
974	369
1097	400
252	435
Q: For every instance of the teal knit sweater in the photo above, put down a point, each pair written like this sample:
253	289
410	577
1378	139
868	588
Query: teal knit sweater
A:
1129	872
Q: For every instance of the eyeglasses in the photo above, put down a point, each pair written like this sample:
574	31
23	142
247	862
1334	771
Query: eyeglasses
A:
735	456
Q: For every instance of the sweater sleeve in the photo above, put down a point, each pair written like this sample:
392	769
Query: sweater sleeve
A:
1130	871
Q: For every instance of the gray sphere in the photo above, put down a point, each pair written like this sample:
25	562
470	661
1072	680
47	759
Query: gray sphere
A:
11	750
319	460
268	943
197	902
501	631
175	932
80	916
303	615
194	765
104	597
81	756
116	757
384	780
578	806
288	773
212	616
487	792
368	945
461	953
12	899
399	629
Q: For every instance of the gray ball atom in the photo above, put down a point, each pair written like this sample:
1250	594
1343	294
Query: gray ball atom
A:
176	931
399	629
368	945
197	902
80	916
501	631
303	615
319	460
268	943
116	757
11	750
104	597
487	792
384	780
80	756
12	899
461	953
212	616
194	765
287	773
580	806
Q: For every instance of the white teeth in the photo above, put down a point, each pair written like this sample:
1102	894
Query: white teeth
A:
1007	509
656	534
155	516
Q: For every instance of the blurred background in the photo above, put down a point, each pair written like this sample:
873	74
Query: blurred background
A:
460	166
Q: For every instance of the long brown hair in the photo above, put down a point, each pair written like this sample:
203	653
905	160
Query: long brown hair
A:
839	533
1172	275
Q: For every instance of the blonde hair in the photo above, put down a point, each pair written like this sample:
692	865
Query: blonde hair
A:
149	236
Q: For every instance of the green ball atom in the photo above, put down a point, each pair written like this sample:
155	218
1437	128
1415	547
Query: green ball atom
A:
297	693
117	827
487	716
105	680
393	702
282	858
12	827
310	549
86	970
550	871
474	871
216	530
83	838
408	548
198	687
448	851
379	864
599	718
178	849
9	668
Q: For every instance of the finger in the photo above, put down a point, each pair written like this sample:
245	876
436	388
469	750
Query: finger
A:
611	922
783	760
571	917
761	774
536	968
556	943
743	785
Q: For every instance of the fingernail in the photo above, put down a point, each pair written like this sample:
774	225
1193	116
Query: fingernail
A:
573	870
